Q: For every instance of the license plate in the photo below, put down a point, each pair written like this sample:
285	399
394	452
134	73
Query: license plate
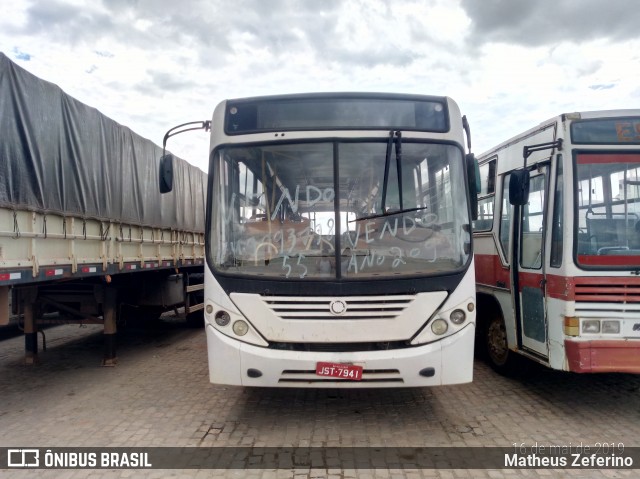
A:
339	370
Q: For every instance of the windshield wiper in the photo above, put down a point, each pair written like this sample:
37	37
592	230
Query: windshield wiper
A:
394	137
399	165
389	213
387	160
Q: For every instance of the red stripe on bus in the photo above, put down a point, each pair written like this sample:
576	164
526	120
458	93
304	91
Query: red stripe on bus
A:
594	288
490	271
619	289
560	287
605	280
530	280
590	159
609	260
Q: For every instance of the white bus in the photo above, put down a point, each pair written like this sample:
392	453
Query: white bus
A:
557	244
339	247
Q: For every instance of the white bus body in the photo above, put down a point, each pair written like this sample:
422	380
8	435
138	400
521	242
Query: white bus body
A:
558	278
388	301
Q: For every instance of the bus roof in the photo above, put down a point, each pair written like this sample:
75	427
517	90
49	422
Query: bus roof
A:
341	95
545	125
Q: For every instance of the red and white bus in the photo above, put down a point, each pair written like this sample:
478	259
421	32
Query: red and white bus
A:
557	244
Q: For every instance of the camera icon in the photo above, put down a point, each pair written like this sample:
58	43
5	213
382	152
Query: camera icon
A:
23	458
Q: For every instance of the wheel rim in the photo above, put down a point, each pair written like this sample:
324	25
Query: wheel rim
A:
497	342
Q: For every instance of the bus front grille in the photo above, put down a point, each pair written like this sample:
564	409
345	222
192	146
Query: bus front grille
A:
607	296
369	376
353	307
340	347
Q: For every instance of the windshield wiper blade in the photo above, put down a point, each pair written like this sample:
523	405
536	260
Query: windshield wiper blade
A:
399	165
387	162
394	137
389	213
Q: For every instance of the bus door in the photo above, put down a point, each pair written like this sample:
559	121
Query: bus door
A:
529	278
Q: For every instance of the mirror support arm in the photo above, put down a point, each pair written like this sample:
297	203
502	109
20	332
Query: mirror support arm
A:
166	161
203	125
527	150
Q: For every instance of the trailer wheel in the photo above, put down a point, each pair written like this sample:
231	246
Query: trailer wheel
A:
501	358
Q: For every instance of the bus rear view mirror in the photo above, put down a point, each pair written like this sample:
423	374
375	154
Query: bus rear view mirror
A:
166	173
519	187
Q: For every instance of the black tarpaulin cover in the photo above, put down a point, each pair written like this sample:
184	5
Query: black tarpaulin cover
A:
58	155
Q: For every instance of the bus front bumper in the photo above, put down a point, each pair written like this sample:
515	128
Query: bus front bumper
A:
448	361
618	356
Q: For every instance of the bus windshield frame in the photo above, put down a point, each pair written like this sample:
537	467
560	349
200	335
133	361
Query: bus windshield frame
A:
276	208
607	209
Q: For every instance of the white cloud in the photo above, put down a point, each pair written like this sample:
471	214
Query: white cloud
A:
150	65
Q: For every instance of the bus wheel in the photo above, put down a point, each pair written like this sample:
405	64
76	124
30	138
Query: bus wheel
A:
500	357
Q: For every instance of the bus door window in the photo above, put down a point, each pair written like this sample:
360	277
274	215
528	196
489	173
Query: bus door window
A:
530	274
486	196
532	225
505	219
557	237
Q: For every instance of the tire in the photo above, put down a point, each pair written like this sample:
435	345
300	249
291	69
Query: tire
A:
500	357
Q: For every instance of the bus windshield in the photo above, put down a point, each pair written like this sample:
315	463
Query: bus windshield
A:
608	200
339	210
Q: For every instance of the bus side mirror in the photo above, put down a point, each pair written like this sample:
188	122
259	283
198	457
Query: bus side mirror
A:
166	173
519	187
473	178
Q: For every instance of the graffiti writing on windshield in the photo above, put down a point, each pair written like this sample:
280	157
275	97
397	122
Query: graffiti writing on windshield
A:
293	239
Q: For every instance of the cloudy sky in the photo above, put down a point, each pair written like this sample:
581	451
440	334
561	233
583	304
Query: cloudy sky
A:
152	64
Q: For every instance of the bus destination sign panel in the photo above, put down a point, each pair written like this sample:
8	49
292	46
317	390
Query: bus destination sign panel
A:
336	113
606	131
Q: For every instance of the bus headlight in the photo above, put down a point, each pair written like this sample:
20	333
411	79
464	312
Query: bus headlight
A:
439	327
610	327
457	316
591	326
222	318
240	328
